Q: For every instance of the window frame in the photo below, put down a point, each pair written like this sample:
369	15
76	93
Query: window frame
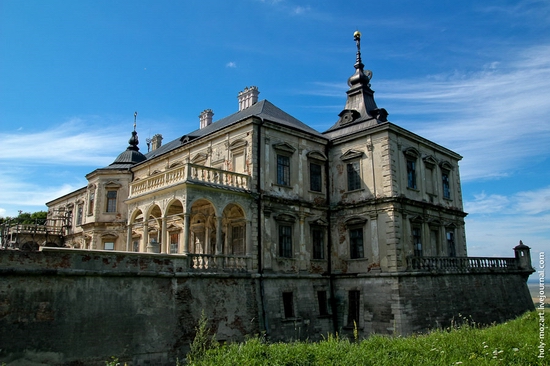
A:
446	183
416	234
451	242
318	242
353	175
283	170
411	173
356	250
285	240
91	202
79	214
108	242
318	177
111	202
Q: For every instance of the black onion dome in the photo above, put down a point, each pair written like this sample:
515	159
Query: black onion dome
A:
132	155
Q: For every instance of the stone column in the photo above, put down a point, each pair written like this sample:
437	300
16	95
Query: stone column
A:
163	237
129	238
145	239
219	235
248	234
186	224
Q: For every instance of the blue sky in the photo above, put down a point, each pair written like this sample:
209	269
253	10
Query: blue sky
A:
472	76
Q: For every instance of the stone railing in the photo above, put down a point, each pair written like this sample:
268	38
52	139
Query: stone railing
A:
35	229
216	263
461	264
190	173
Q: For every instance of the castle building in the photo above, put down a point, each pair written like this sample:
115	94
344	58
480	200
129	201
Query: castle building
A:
340	226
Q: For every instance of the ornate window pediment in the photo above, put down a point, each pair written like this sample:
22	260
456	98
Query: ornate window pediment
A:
411	152
318	222
112	185
430	161
238	144
284	147
317	155
352	154
357	220
446	165
285	218
109	235
199	158
417	218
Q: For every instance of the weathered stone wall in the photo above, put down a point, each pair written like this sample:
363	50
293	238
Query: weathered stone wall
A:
77	306
430	301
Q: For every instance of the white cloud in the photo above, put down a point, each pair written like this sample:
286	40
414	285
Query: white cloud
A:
497	118
75	142
231	65
298	10
528	203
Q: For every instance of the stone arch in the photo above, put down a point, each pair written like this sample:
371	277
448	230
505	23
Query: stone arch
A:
203	226
234	230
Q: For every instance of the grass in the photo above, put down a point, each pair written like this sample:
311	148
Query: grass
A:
512	343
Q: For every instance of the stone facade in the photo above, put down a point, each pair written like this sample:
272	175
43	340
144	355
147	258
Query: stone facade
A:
362	224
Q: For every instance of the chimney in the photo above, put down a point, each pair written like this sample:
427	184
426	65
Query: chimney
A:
206	118
248	97
156	141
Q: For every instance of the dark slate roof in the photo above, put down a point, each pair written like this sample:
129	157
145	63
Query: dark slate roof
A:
263	109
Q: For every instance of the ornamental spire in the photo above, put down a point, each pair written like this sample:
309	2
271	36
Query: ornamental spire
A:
361	76
134	139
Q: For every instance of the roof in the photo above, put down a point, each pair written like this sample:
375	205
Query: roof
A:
262	109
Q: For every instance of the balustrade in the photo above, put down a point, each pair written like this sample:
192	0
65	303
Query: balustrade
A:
190	173
208	262
459	264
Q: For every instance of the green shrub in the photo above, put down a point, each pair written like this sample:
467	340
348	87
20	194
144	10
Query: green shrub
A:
203	340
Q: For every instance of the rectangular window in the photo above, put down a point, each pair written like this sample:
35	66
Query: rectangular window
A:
356	243
136	245
288	304
79	210
318	243
237	236
285	241
174	243
111	201
446	184
315	177
354	300
411	173
451	243
283	170
91	203
109	245
417	241
322	299
354	176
